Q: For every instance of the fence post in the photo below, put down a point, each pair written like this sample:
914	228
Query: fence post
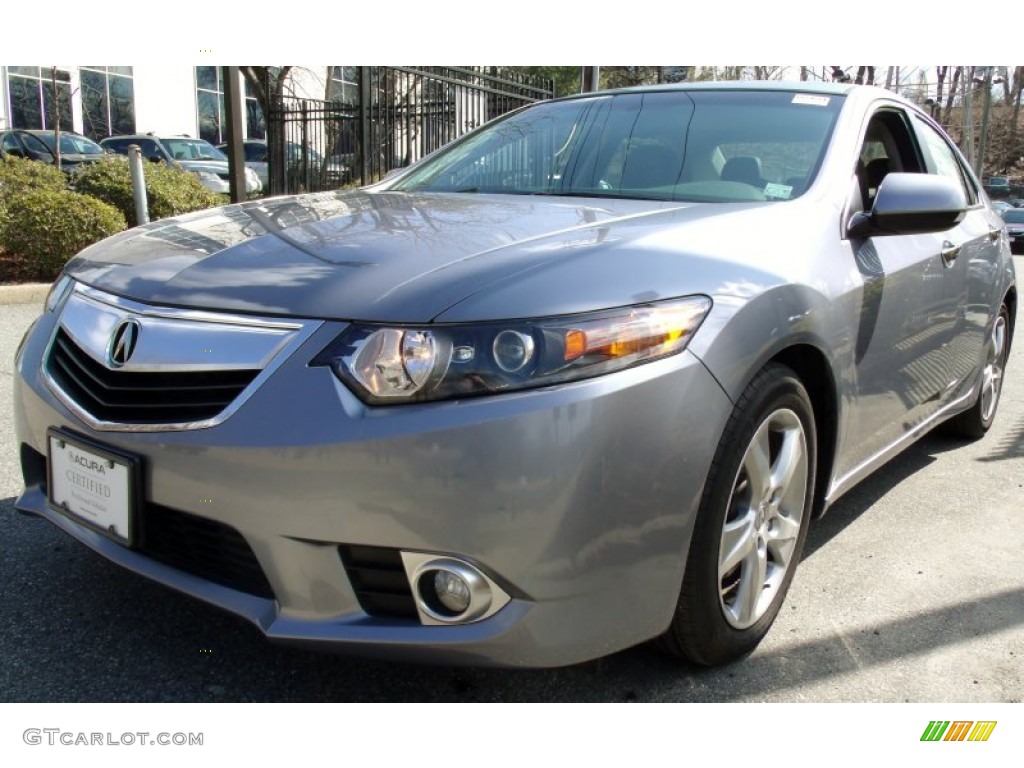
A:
364	124
306	179
276	169
138	184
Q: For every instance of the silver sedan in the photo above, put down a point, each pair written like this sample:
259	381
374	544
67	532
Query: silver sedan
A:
579	380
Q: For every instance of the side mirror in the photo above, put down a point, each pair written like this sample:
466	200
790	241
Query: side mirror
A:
911	204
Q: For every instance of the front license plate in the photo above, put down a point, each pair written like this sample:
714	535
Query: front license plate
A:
93	484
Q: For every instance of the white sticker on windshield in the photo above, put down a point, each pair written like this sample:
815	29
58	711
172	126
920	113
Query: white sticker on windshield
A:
777	191
806	98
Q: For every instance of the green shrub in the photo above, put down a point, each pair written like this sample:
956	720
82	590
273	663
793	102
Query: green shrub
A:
46	227
18	175
170	191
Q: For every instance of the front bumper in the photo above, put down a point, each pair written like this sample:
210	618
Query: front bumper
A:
253	186
578	499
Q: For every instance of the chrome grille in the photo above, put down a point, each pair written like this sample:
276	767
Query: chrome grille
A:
177	369
132	397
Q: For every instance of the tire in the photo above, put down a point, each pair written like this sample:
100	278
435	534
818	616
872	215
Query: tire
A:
752	523
976	421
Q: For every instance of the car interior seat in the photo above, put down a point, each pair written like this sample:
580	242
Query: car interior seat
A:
745	168
870	176
650	166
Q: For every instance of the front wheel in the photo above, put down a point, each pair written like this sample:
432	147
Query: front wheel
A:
752	523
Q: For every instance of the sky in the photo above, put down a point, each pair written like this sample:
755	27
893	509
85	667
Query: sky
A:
521	32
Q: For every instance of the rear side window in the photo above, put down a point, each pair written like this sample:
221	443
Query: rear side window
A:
256	153
150	148
943	160
10	143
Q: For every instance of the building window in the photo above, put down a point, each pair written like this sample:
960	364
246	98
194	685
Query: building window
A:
344	85
212	112
108	102
210	104
32	100
255	125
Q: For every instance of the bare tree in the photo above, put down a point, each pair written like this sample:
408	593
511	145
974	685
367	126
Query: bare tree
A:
56	118
1018	76
769	73
940	80
870	71
266	84
952	95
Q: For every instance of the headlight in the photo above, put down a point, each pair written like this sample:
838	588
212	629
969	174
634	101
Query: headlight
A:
58	292
398	364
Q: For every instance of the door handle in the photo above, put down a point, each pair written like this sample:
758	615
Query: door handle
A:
949	252
993	233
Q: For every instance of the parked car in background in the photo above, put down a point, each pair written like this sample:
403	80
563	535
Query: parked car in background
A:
300	165
578	380
75	149
998	187
196	156
1014	219
1002	206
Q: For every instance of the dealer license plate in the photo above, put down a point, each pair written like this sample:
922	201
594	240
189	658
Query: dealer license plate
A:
93	484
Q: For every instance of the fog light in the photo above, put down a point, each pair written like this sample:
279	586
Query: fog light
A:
452	591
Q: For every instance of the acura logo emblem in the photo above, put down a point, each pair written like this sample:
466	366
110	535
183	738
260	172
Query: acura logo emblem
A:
122	342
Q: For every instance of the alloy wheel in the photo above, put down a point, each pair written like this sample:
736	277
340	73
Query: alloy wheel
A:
763	521
992	377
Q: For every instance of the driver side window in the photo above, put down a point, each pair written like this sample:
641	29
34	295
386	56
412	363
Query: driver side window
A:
888	147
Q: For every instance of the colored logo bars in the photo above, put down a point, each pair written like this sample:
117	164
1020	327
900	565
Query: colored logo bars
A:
958	730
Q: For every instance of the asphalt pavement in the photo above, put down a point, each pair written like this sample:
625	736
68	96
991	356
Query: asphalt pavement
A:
911	589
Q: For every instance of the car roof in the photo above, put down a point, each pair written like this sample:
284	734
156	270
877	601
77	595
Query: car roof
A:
823	88
45	132
157	136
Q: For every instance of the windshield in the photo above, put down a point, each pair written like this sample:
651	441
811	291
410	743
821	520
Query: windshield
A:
192	149
295	153
1014	216
71	144
719	146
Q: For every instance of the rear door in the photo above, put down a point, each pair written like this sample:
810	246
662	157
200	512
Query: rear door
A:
972	277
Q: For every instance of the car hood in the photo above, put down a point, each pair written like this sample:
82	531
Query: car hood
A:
211	166
388	256
76	157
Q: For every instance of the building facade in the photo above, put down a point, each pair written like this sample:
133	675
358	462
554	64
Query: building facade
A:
101	101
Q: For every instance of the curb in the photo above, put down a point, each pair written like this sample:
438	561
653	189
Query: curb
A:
26	293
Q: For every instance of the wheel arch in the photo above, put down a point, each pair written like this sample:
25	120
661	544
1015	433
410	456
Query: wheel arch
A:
815	373
1010	299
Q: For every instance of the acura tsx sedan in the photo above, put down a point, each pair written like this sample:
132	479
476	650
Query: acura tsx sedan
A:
579	380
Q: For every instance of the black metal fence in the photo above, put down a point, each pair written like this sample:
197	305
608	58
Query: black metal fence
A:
402	114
